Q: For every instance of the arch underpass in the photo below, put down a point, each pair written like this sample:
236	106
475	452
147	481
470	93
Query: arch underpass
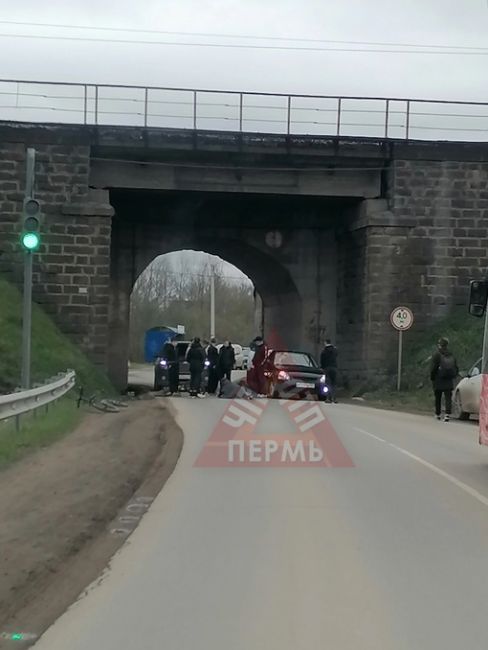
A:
293	269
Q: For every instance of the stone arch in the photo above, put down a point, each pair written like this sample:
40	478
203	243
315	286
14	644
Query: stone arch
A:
281	300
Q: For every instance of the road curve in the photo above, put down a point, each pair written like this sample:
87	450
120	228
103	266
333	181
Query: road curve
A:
388	554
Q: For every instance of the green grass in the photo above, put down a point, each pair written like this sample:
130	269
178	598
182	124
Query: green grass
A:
37	430
465	334
52	352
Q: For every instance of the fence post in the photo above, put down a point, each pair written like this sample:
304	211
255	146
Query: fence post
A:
146	94
96	104
407	126
85	104
339	107
387	112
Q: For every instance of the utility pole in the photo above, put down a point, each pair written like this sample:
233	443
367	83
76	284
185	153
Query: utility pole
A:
30	241
212	303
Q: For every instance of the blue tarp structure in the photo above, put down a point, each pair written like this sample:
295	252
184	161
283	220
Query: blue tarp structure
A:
154	340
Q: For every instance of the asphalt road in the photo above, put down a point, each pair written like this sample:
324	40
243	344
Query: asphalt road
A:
390	553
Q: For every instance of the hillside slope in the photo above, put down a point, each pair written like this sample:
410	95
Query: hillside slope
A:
52	352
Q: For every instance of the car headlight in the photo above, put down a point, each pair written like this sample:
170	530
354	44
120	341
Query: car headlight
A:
283	376
323	379
163	363
207	364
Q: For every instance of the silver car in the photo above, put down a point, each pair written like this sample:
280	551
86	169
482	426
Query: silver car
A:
467	394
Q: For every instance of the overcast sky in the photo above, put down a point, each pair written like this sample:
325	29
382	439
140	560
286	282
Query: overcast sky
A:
453	23
424	22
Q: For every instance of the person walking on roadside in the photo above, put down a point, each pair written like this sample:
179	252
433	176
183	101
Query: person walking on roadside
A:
328	363
227	359
443	372
213	360
170	354
196	359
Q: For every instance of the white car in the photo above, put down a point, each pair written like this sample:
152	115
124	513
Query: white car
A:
248	355
239	364
467	394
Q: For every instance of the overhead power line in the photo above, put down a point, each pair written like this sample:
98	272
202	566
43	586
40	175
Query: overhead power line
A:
245	46
133	30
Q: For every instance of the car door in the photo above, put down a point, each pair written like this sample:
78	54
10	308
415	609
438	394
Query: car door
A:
471	389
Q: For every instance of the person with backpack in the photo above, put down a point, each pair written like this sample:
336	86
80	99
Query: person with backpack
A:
443	372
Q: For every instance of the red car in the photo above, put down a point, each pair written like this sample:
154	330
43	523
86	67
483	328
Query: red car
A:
289	374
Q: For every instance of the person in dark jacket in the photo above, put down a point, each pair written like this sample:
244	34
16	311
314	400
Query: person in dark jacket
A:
443	372
213	360
169	354
227	359
328	363
196	358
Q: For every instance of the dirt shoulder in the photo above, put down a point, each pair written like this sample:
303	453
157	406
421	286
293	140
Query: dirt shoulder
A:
59	509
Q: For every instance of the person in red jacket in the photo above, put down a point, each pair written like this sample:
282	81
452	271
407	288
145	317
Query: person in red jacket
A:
255	375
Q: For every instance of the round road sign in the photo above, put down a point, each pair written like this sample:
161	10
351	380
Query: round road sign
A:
401	318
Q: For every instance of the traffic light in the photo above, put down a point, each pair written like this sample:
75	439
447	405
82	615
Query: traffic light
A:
31	235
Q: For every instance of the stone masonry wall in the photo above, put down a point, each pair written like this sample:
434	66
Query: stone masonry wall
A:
419	248
71	268
447	203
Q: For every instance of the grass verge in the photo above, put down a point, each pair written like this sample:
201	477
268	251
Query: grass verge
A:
465	334
38	430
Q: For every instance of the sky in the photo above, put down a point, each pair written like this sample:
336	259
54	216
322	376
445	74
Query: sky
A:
456	23
422	45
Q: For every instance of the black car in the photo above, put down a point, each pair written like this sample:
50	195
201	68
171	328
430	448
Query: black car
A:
289	374
161	370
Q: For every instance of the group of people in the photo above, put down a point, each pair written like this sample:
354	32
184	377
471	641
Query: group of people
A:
219	363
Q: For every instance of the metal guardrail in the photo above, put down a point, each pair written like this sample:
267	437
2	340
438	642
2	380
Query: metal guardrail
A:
16	404
253	112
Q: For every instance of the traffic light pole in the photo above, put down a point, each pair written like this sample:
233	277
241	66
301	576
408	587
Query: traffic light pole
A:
27	298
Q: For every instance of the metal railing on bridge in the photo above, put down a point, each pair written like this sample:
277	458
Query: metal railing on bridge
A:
250	112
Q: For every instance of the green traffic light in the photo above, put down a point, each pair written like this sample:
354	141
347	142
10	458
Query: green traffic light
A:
31	241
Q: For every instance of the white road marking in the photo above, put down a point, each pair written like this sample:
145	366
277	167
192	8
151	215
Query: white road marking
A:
437	470
370	434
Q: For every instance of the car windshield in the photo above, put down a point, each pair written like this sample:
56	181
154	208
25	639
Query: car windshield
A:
294	359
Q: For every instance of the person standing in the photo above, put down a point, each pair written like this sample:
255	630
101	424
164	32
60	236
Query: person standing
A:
196	359
443	372
213	360
170	355
227	360
328	363
255	375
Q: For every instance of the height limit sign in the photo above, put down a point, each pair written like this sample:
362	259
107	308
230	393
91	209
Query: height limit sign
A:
402	319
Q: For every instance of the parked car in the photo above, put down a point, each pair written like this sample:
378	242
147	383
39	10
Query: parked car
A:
290	374
467	394
161	370
239	364
247	354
